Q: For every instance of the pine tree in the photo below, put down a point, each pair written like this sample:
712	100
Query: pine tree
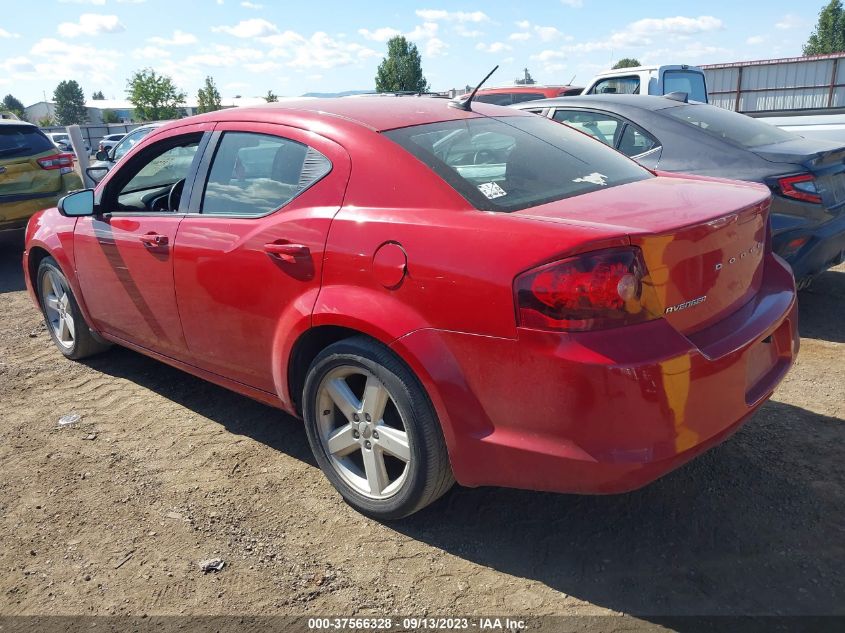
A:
401	70
70	104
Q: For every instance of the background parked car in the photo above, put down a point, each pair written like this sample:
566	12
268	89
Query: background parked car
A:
509	95
110	140
806	176
33	174
62	141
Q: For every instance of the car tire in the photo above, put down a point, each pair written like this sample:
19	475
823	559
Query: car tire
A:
363	455
65	322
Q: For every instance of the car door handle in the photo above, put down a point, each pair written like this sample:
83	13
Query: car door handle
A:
153	240
286	252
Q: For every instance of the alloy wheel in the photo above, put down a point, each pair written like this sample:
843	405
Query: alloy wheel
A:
362	432
56	300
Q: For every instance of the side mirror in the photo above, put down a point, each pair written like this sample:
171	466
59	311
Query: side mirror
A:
97	173
77	204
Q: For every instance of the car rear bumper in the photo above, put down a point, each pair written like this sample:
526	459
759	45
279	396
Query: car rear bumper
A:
608	411
15	210
824	248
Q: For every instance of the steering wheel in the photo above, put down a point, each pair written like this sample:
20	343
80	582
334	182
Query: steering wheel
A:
174	196
483	157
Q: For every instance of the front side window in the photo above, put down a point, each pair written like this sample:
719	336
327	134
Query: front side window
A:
600	126
732	127
153	180
254	174
512	163
617	86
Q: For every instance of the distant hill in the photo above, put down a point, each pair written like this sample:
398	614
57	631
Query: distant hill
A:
347	93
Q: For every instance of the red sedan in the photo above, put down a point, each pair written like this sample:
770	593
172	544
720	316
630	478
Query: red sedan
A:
482	296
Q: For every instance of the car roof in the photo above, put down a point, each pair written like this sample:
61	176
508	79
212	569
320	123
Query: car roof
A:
15	122
644	102
375	114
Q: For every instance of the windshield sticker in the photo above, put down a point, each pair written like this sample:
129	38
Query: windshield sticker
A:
492	190
596	178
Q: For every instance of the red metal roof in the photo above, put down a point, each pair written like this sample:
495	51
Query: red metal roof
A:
779	60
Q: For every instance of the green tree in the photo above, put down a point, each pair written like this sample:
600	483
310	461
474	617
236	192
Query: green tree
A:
627	62
46	121
154	96
208	97
98	96
271	97
402	68
110	116
70	103
13	105
829	36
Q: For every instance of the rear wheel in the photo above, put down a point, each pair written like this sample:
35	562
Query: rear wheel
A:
64	319
373	430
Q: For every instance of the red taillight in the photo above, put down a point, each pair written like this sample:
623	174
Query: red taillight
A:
593	291
800	187
57	161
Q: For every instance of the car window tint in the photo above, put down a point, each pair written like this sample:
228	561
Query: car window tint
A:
520	97
617	86
254	174
691	83
512	163
164	170
600	126
729	126
498	98
635	142
22	140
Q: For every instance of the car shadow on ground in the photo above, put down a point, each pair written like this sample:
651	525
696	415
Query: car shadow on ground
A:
11	251
752	527
821	306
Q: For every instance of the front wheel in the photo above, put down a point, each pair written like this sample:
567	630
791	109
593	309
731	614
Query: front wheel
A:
62	315
373	430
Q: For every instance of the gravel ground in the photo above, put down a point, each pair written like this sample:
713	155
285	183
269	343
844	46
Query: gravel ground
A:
112	515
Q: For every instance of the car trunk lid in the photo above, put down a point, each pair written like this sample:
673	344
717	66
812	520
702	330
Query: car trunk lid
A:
702	241
20	148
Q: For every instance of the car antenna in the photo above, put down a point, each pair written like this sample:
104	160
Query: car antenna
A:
573	79
466	104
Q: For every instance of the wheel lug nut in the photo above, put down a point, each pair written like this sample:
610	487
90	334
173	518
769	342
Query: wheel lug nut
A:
326	412
355	417
356	434
367	445
367	417
375	435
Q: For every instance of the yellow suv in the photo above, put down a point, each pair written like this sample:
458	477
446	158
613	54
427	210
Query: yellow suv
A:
34	173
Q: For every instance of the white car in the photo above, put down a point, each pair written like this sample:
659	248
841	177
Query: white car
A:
111	140
62	141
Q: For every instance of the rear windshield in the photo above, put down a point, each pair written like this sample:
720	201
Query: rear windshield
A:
512	163
22	140
732	127
687	81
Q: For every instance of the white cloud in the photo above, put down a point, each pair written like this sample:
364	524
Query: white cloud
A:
379	35
58	59
427	36
18	65
222	56
494	47
91	24
523	24
547	33
755	39
150	52
255	27
645	32
131	1
548	55
432	15
99	3
236	85
575	4
6	34
180	38
522	36
788	21
252	5
319	51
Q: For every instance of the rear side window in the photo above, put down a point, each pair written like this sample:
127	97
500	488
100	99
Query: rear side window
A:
600	126
22	140
512	163
617	86
732	127
498	98
254	174
686	81
634	141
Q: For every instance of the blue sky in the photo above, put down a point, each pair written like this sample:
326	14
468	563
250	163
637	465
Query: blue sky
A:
327	46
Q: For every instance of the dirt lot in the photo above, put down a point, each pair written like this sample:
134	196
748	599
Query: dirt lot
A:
112	515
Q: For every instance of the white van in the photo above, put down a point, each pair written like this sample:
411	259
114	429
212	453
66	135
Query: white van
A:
651	80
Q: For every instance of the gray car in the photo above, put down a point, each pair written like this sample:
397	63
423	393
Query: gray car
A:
806	176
